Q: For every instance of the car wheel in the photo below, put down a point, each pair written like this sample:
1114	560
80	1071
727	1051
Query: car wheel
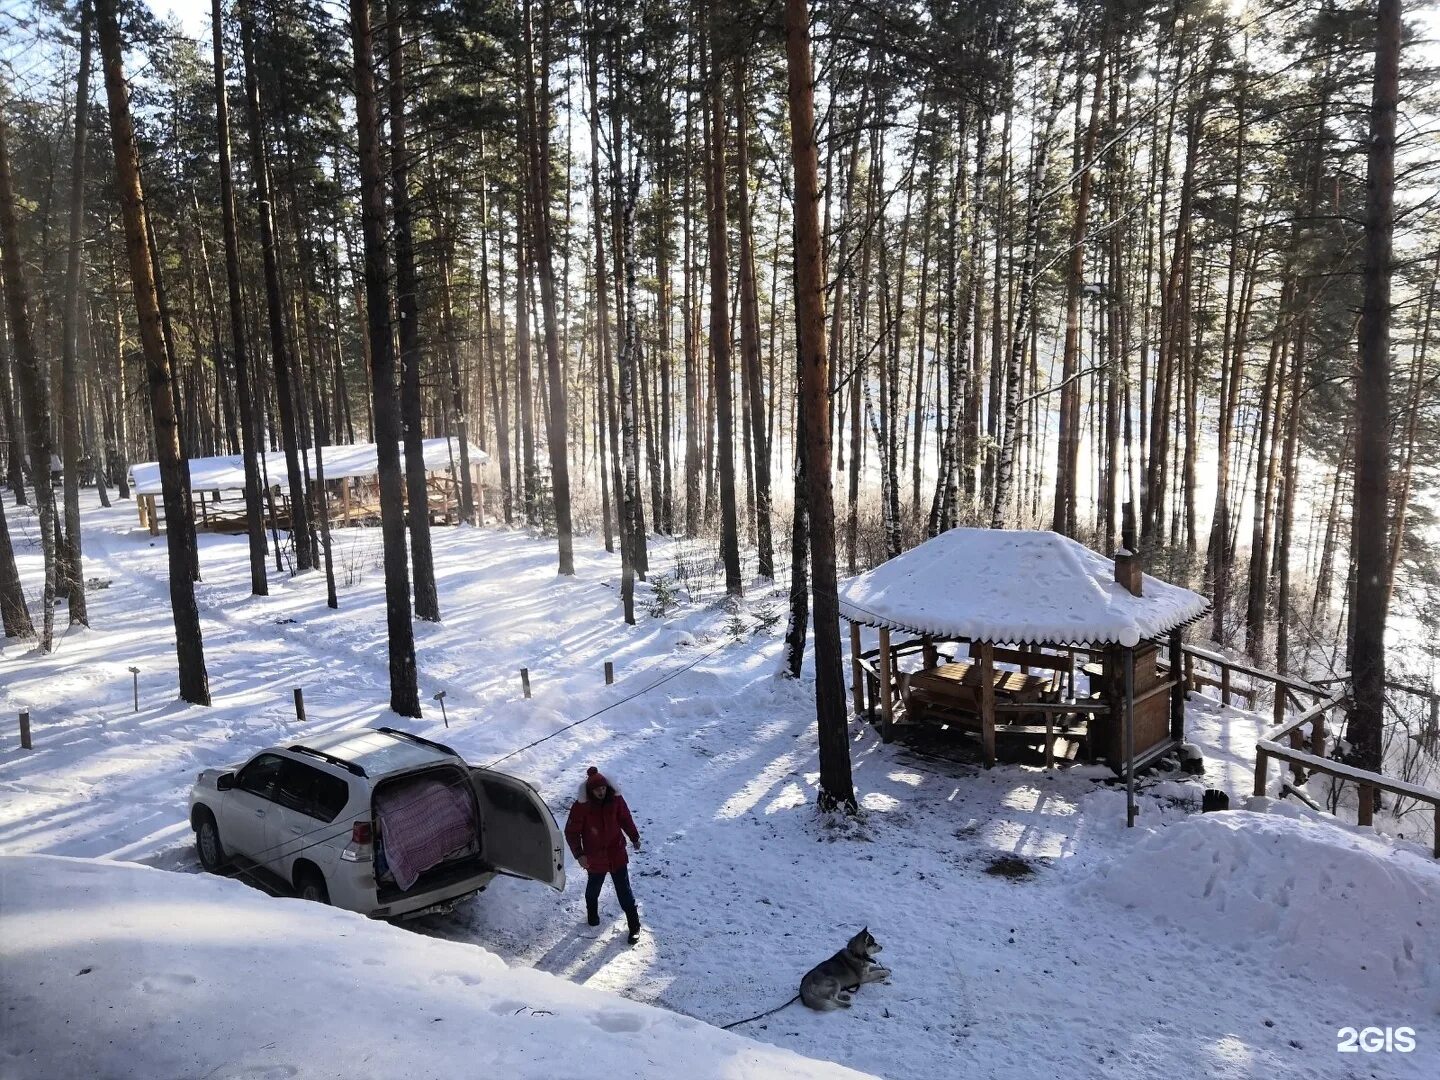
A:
208	845
311	887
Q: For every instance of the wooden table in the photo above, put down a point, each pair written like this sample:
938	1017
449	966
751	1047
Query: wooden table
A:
960	682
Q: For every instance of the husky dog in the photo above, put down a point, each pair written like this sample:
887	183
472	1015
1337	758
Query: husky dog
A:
830	984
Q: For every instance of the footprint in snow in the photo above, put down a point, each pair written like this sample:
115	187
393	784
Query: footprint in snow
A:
160	984
617	1022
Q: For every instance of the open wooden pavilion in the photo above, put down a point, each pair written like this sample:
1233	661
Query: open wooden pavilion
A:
352	486
999	619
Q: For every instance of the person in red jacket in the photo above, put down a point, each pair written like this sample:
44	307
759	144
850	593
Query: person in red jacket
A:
596	829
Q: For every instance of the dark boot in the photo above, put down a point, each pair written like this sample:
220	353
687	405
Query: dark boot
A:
592	914
632	917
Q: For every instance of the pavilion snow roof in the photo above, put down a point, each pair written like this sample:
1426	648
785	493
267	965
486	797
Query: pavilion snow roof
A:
227	472
1013	586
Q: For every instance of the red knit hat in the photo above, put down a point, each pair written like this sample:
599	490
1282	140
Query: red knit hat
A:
595	778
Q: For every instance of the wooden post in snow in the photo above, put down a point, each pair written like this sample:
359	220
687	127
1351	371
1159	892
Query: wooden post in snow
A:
987	702
857	673
25	729
525	681
1183	676
887	706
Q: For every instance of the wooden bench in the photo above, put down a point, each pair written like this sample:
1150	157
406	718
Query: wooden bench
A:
952	694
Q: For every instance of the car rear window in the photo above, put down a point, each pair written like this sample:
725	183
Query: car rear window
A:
310	791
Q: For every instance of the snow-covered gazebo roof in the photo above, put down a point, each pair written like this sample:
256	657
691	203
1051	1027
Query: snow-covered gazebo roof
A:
1014	586
227	472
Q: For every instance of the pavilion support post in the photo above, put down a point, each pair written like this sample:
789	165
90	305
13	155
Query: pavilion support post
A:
154	521
345	500
1177	692
987	702
931	655
1130	736
479	496
887	705
857	673
140	505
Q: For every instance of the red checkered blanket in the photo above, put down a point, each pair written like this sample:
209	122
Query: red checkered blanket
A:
421	824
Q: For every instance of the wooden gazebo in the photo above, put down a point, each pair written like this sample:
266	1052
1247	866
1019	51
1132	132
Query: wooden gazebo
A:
352	489
1028	607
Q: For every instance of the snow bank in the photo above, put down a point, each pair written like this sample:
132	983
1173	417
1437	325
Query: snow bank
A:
1305	898
115	970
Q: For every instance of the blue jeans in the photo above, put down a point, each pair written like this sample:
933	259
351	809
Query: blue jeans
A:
621	877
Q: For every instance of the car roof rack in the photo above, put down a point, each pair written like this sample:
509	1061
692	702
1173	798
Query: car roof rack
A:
419	739
348	766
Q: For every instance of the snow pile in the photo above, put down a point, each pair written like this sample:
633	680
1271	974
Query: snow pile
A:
115	970
1014	585
1305	897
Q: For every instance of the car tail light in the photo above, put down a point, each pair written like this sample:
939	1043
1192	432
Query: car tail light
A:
360	832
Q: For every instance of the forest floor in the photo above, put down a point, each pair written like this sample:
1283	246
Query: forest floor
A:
1224	945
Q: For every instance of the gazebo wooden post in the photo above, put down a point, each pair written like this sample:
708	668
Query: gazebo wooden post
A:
887	706
987	701
345	499
929	652
1178	691
154	520
140	505
857	673
1130	808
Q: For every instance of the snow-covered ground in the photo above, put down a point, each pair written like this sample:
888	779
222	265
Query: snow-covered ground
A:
1225	945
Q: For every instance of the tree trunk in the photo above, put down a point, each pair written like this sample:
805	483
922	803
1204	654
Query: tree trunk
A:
404	691
33	388
300	529
720	322
693	409
629	346
538	128
836	786
189	648
14	613
1372	406
71	576
798	623
407	310
1067	465
750	334
1005	465
249	429
457	384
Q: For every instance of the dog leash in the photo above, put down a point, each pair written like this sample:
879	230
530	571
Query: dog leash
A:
760	1016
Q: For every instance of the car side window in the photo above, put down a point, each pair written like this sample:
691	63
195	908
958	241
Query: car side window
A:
331	795
259	776
310	791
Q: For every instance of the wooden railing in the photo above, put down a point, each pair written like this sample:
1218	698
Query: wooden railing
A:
1286	743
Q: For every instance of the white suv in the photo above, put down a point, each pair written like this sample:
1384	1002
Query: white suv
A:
378	821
